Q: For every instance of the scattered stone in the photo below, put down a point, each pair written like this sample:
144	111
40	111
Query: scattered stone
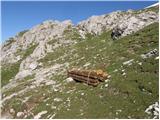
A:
51	82
20	114
140	63
109	76
107	80
3	95
116	113
150	54
40	114
106	85
119	110
69	79
157	58
153	110
82	93
26	99
53	107
23	74
124	74
87	64
115	70
12	111
33	65
129	62
53	116
57	99
47	104
121	24
32	86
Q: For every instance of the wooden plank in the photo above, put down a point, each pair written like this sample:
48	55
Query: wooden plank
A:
88	81
84	78
90	77
100	75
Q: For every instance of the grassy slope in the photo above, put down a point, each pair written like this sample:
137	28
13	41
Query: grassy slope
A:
9	71
123	93
126	96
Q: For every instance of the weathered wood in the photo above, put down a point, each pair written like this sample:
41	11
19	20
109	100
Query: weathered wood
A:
84	78
90	77
88	81
95	74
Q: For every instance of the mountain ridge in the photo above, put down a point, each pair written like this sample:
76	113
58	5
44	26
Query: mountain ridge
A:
123	44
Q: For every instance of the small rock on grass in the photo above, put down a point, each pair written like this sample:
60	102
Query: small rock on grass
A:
69	79
20	114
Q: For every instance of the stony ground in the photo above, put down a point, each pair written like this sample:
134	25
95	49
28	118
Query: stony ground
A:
131	91
35	62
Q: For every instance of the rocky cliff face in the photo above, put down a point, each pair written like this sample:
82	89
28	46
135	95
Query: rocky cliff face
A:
40	34
39	57
129	22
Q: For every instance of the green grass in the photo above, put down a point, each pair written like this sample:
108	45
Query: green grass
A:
22	33
154	9
151	9
52	41
9	42
131	94
17	104
29	50
22	84
127	96
8	72
71	34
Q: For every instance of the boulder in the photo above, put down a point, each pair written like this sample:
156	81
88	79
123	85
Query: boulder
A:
116	33
23	74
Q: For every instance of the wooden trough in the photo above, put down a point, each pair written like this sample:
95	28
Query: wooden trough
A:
90	77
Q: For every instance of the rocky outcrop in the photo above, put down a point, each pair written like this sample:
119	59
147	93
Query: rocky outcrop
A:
40	34
134	23
151	53
122	23
55	32
153	110
43	54
97	24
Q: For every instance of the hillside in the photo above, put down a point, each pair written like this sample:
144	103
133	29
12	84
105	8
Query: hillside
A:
35	63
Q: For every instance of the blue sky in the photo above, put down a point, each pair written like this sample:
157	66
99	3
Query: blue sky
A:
18	16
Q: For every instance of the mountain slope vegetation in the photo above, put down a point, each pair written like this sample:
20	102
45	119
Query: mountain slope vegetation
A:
131	62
